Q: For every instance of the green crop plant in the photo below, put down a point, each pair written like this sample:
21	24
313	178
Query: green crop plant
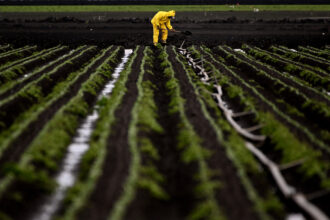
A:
281	137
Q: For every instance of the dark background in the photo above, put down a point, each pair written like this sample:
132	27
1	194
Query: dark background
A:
157	2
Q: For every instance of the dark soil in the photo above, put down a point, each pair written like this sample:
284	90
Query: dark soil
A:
117	161
231	196
130	29
179	181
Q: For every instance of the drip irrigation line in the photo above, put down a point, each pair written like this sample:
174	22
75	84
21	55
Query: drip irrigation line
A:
287	190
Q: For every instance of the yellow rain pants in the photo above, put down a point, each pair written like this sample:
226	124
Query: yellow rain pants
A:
162	22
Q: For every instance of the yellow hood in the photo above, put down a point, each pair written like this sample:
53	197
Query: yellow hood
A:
171	13
162	18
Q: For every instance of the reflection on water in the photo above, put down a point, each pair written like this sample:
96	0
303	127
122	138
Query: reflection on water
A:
80	144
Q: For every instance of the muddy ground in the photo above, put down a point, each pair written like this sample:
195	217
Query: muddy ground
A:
132	28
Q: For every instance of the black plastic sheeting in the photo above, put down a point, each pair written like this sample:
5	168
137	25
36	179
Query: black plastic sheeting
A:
157	2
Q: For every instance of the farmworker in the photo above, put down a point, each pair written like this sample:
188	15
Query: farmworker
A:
161	21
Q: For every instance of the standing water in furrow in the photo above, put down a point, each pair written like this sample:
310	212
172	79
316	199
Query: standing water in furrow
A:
80	144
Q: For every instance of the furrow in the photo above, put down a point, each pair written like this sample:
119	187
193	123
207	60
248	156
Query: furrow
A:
218	161
118	158
83	94
295	126
25	107
13	87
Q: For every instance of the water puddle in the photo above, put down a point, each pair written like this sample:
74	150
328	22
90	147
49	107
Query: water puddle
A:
67	176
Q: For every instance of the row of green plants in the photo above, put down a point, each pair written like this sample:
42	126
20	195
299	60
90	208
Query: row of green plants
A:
190	143
219	62
303	106
16	54
44	56
314	62
19	110
4	48
295	82
308	76
38	164
296	58
314	51
277	131
318	50
145	124
92	162
313	139
5	53
266	202
25	58
143	173
11	87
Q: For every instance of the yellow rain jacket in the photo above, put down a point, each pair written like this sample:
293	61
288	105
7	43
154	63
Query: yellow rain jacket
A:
161	21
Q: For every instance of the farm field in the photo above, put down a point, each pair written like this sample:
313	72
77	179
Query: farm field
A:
92	132
231	122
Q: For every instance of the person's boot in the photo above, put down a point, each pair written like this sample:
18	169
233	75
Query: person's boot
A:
163	42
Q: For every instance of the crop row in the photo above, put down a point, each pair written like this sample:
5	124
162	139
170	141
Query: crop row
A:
294	69
11	55
302	57
277	131
168	128
301	106
315	52
38	158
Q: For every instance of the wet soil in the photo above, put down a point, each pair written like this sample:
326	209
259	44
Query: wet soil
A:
117	160
179	182
129	29
231	196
